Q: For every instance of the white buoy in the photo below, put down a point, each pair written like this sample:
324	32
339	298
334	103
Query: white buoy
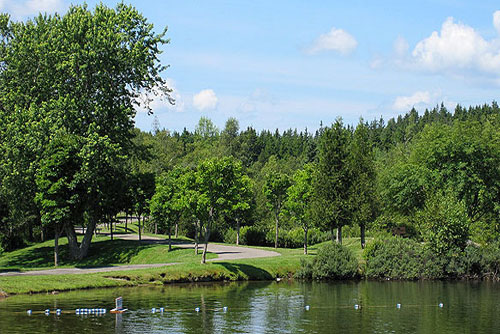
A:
356	307
307	307
47	312
58	311
197	309
161	309
398	305
440	305
29	312
153	310
224	309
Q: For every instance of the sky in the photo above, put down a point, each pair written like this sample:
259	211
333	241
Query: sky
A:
295	64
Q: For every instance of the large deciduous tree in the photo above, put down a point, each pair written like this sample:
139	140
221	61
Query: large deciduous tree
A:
83	74
218	183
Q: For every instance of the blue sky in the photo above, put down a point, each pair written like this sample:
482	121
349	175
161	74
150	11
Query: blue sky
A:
292	64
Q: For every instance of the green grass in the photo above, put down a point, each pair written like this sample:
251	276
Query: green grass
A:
189	269
103	252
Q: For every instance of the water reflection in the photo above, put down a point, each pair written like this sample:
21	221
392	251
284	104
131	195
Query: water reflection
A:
267	307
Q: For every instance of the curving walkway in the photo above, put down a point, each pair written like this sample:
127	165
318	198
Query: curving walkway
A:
224	253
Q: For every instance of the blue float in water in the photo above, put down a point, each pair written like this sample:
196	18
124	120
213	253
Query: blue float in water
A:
197	309
47	312
356	307
29	312
58	311
307	307
224	309
153	310
161	309
440	305
398	305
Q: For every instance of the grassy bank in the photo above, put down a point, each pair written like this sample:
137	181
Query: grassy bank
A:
106	252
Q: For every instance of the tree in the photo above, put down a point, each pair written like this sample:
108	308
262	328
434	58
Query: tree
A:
299	198
445	225
84	73
218	182
144	188
243	203
333	180
166	204
229	137
59	193
275	187
362	166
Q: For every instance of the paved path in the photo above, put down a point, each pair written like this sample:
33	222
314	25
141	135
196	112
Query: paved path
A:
224	253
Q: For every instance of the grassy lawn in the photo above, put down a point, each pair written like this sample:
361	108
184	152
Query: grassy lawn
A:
103	252
106	252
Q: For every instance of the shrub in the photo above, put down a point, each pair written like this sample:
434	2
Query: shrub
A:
396	258
230	236
333	262
253	236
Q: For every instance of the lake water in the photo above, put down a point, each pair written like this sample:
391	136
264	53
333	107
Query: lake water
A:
267	307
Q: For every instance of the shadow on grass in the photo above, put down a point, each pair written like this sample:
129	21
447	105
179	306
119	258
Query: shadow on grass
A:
252	272
101	253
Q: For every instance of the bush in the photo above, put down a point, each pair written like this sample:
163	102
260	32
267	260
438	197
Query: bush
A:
253	236
399	258
396	258
333	262
230	236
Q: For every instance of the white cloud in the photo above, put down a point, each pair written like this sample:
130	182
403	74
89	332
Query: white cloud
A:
25	8
335	40
400	47
205	100
405	103
496	20
458	48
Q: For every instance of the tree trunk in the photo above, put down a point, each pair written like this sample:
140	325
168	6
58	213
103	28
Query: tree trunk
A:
156	228
143	223
176	230
56	247
111	228
42	234
169	238
332	234
139	224
305	241
207	235
126	222
363	242
196	237
276	233
79	251
339	235
237	232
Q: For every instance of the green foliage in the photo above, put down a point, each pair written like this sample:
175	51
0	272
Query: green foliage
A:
76	78
166	204
445	225
333	262
333	179
395	258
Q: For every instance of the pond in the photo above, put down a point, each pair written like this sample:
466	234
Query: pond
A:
266	307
